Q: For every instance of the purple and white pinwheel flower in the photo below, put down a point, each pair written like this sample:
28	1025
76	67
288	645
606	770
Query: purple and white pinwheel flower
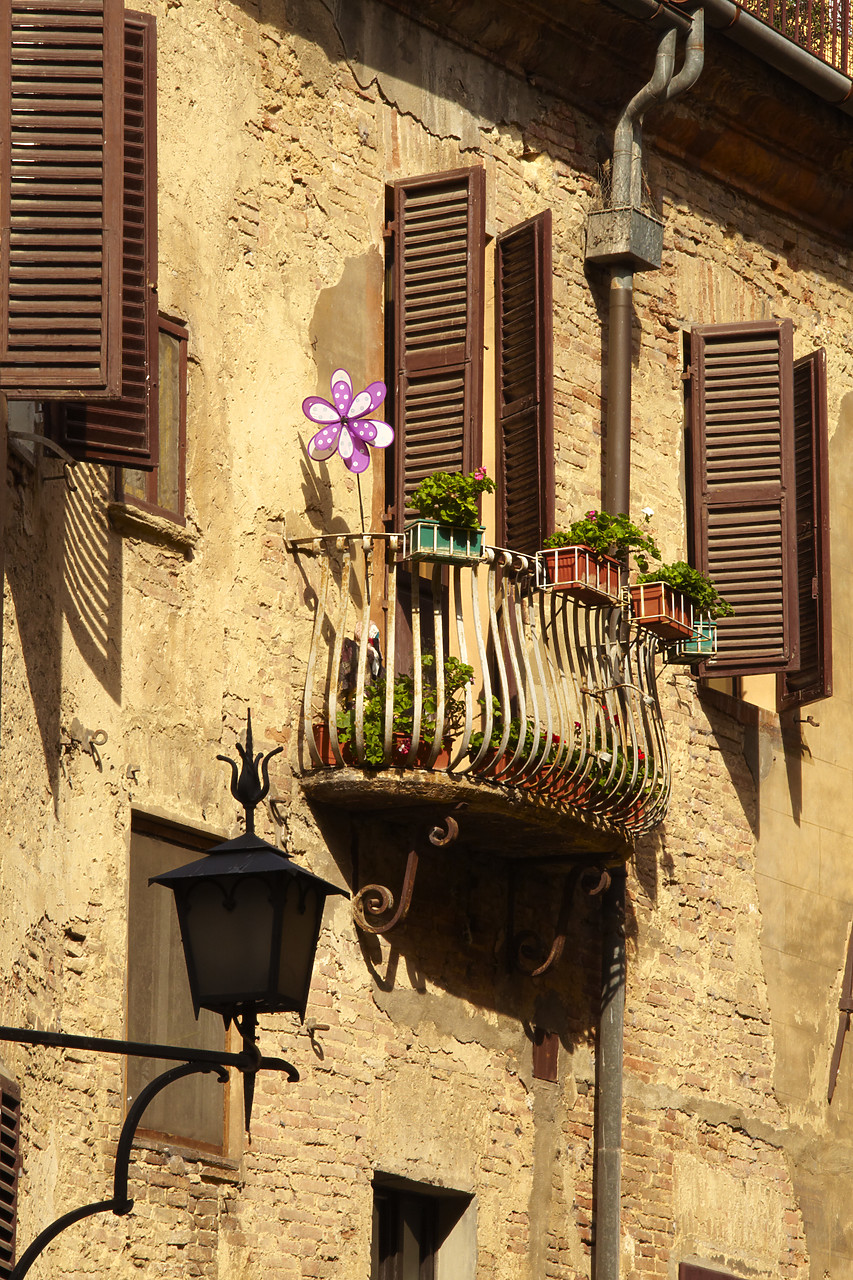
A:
347	429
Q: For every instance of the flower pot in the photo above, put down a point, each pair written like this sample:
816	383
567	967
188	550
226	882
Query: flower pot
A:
402	746
702	643
583	573
323	743
429	540
663	610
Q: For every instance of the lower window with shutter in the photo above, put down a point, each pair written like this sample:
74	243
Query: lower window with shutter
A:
757	486
10	1126
421	1232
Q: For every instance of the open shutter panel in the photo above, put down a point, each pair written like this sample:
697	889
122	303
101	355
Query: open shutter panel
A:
10	1118
741	400
439	236
60	208
812	678
125	431
524	364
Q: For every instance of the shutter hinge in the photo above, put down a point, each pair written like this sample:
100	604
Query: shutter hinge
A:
686	374
814	589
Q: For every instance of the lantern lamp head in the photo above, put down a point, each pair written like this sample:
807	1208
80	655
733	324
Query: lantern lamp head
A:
249	917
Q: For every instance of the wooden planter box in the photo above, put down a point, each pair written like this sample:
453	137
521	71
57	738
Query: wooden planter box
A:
429	540
663	610
702	643
585	574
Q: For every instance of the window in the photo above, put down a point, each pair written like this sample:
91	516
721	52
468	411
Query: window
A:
163	490
525	384
759	511
159	1006
10	1119
420	1232
437	297
60	207
125	430
435	326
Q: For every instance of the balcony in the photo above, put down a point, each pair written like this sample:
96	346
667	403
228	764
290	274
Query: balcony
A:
522	709
821	27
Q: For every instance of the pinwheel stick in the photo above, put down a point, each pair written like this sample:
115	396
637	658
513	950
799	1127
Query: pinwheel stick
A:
360	502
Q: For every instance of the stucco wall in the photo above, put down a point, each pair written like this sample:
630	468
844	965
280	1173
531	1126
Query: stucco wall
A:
279	128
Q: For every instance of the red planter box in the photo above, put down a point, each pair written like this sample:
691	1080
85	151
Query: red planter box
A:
662	609
586	574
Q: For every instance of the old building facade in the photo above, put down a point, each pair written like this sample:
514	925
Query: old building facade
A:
445	1119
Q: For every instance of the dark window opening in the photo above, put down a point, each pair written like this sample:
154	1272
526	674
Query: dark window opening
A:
162	491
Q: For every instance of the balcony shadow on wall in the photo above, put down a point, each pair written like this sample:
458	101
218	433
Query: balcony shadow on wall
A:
92	596
454	939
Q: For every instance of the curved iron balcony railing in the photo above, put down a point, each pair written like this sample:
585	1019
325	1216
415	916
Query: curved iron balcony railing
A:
533	690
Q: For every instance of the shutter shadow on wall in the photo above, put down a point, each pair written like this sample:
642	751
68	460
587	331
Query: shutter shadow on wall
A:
439	237
525	398
743	526
124	431
812	677
60	208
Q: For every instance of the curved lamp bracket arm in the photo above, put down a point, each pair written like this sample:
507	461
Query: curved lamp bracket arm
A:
119	1205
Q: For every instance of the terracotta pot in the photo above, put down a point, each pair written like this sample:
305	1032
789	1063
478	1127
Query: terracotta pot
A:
585	574
402	746
323	743
662	609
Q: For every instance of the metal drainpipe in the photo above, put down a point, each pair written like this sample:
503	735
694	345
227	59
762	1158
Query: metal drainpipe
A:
627	190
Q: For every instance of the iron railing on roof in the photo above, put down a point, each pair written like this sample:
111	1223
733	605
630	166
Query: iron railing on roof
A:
822	27
496	681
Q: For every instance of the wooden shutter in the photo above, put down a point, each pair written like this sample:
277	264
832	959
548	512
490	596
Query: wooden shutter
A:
125	431
10	1117
439	236
60	197
525	399
812	677
743	517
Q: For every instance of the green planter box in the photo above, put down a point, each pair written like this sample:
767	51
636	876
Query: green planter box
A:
429	540
701	645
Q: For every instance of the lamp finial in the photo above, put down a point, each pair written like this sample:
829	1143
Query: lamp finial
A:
247	786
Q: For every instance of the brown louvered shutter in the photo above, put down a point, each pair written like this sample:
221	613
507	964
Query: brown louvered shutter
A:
525	398
812	677
439	237
124	431
60	207
10	1117
743	518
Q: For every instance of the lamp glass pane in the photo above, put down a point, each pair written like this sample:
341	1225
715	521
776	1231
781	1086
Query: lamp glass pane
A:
299	930
230	927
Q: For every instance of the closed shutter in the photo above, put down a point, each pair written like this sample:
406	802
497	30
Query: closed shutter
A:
524	362
10	1118
439	236
60	197
125	431
812	678
743	517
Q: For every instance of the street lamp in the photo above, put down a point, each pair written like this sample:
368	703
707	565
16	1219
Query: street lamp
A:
250	920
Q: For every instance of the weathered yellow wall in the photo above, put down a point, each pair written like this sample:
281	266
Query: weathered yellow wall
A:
279	129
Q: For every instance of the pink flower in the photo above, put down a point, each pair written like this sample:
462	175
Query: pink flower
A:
480	473
347	431
592	514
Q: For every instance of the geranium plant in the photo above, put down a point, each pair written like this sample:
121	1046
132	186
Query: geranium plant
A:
692	583
457	675
450	497
607	534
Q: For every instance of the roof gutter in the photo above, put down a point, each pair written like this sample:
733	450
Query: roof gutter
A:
757	38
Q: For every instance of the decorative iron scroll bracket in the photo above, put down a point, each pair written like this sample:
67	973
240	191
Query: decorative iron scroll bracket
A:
194	1061
375	900
68	462
525	949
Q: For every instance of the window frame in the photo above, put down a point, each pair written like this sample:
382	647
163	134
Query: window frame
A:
151	503
189	838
